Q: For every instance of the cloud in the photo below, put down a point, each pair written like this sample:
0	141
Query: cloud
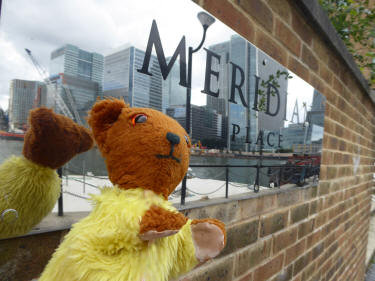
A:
99	26
93	25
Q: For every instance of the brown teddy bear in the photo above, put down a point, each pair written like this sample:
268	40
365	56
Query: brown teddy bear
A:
133	233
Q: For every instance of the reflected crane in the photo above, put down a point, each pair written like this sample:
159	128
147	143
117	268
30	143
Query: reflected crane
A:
57	97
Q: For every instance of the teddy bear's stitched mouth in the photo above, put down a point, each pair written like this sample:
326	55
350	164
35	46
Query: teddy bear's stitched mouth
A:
160	156
171	156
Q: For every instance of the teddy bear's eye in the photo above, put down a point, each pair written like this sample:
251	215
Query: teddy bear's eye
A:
139	118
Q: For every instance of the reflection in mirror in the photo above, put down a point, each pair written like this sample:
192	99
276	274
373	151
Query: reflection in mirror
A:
254	124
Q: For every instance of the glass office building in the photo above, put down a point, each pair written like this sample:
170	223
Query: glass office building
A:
309	133
205	122
79	71
121	78
173	93
234	54
76	62
24	95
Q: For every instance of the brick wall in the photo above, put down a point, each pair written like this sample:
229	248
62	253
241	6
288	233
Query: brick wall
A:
318	233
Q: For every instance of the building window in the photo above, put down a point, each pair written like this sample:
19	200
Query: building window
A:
84	68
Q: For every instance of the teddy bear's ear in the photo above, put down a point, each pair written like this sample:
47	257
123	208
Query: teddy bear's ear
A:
102	115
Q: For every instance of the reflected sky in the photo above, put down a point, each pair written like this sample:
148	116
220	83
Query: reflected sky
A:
101	26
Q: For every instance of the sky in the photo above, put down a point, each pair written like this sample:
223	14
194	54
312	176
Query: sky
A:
100	26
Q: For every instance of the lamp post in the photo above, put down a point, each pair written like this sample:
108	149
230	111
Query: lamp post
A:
206	20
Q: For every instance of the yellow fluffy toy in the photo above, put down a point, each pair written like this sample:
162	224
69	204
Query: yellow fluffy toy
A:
133	233
29	185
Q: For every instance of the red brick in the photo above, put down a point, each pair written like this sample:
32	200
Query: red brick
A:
331	172
246	277
285	274
284	239
301	27
305	228
288	38
227	13
337	85
269	269
317	83
241	235
293	252
309	271
252	257
270	47
273	223
309	58
299	69
334	65
282	8
301	263
325	73
299	213
256	206
320	49
258	10
313	239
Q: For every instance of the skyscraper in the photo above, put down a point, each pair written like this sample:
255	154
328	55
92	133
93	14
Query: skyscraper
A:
315	118
78	63
205	122
310	131
121	78
81	72
237	54
173	93
23	97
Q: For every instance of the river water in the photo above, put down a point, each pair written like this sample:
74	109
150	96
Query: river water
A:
92	162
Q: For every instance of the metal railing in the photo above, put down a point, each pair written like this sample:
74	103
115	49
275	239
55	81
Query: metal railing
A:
277	174
295	174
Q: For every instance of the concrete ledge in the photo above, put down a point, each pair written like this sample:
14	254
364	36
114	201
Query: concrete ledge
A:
323	25
53	222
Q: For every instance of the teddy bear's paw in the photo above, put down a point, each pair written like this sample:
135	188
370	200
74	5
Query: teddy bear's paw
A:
208	237
158	222
53	139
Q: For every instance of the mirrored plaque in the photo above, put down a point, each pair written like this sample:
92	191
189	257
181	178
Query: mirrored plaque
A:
254	125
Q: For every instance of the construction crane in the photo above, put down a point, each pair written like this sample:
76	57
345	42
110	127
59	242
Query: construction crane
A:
58	99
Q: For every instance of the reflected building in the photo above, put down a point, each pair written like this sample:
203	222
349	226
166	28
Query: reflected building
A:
121	78
294	134
317	108
315	119
238	53
173	93
81	72
307	136
4	122
205	122
23	96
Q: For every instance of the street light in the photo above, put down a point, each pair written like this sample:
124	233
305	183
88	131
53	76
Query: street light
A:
206	20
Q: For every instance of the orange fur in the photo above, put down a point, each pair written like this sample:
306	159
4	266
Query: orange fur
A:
159	219
54	139
130	151
216	222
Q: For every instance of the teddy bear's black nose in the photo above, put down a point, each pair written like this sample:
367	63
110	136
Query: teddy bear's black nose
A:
173	138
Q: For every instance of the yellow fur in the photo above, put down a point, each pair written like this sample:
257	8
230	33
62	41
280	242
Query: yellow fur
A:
105	245
30	189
